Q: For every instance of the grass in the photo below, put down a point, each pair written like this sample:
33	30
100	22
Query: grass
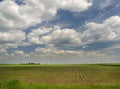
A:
102	76
15	84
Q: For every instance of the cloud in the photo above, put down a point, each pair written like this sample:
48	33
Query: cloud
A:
19	52
106	3
11	39
55	36
12	36
57	42
10	17
20	17
65	37
53	53
102	32
35	36
74	5
15	18
3	50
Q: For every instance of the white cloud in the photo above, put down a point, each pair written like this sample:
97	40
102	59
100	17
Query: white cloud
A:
54	53
12	36
95	32
106	3
65	37
114	23
74	5
9	45
10	17
109	30
3	50
19	53
57	36
15	18
19	17
11	39
36	34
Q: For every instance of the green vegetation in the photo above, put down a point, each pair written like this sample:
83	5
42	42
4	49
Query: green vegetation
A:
15	84
102	76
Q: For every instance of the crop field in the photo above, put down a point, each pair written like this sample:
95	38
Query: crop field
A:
58	75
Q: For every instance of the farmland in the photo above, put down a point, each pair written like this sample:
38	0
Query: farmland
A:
70	75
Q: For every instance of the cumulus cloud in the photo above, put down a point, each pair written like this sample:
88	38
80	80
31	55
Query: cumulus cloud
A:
10	17
95	32
11	39
36	34
74	5
106	3
53	53
3	50
19	52
7	37
19	17
63	37
102	32
15	18
57	36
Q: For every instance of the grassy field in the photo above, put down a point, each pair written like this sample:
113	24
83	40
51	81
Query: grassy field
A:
15	84
104	76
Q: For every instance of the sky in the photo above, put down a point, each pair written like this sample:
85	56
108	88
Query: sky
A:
60	31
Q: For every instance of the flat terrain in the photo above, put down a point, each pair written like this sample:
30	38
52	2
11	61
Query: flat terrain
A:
63	74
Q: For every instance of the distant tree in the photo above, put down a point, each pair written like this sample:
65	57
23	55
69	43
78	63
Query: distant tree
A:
31	63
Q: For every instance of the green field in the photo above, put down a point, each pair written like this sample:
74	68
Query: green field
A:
104	76
15	84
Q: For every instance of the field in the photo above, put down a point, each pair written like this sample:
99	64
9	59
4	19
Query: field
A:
102	76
